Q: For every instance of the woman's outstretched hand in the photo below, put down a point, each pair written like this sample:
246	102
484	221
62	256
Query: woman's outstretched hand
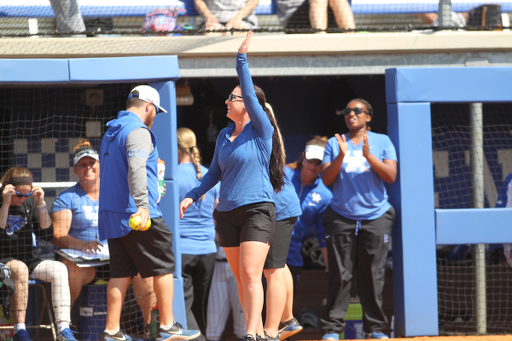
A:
245	44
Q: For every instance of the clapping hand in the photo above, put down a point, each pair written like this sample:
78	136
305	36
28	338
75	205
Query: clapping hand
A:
342	143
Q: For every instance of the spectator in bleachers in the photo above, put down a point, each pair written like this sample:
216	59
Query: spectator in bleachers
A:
22	214
227	14
68	16
75	222
432	19
318	15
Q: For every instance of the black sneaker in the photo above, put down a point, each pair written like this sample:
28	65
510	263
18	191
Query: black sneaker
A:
119	336
177	332
270	338
289	328
249	337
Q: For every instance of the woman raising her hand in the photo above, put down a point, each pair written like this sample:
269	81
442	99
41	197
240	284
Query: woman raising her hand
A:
249	163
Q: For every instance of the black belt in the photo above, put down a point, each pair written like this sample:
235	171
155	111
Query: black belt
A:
221	260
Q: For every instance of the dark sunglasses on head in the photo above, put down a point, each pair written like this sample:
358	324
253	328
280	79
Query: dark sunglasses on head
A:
231	97
315	161
21	195
356	111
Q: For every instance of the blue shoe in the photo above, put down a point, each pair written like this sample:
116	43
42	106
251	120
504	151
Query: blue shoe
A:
176	332
119	336
376	335
331	336
289	328
21	335
66	335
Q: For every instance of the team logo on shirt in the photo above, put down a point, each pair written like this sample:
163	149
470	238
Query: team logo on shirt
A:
91	214
356	162
316	197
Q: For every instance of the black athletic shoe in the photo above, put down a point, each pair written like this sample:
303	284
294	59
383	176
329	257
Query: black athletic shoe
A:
249	337
289	328
119	336
270	338
177	332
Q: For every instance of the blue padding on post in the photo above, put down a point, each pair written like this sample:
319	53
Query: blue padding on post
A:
414	262
473	226
178	303
444	84
123	69
164	128
170	210
34	70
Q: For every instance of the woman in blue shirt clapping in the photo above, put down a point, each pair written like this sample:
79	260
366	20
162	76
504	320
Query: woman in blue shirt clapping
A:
248	161
358	221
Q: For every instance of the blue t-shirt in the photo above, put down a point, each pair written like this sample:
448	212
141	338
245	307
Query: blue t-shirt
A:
505	195
242	166
84	222
358	192
197	230
287	201
314	199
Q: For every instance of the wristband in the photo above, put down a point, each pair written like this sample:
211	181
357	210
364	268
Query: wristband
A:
42	207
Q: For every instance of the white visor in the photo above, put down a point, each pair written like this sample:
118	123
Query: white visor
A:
314	152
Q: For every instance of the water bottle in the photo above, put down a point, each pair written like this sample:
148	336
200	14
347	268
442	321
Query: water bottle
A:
161	176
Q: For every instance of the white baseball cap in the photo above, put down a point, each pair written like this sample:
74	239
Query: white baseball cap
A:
147	94
314	152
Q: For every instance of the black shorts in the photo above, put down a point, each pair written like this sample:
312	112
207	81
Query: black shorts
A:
278	252
253	222
146	252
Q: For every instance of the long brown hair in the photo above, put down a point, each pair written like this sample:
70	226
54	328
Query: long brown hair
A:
320	141
278	156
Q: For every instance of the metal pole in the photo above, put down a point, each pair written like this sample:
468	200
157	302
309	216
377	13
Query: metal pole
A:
477	196
445	13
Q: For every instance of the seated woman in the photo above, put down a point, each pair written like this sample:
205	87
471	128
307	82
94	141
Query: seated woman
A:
75	220
22	213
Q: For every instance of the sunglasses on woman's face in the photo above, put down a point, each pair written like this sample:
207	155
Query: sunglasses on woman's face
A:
231	97
21	195
356	111
315	161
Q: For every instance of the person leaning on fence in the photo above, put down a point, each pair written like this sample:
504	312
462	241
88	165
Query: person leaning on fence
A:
24	213
316	15
221	15
75	221
248	163
358	220
129	188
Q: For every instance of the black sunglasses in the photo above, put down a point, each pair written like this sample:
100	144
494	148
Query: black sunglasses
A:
315	161
231	97
356	111
21	195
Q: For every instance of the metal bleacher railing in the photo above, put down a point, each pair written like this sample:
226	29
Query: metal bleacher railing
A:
130	13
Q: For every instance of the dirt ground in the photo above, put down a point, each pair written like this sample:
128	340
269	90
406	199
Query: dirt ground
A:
459	338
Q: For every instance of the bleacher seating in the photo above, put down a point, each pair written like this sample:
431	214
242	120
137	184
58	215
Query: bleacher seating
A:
114	8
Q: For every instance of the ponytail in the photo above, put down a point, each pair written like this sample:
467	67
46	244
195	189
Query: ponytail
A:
278	155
